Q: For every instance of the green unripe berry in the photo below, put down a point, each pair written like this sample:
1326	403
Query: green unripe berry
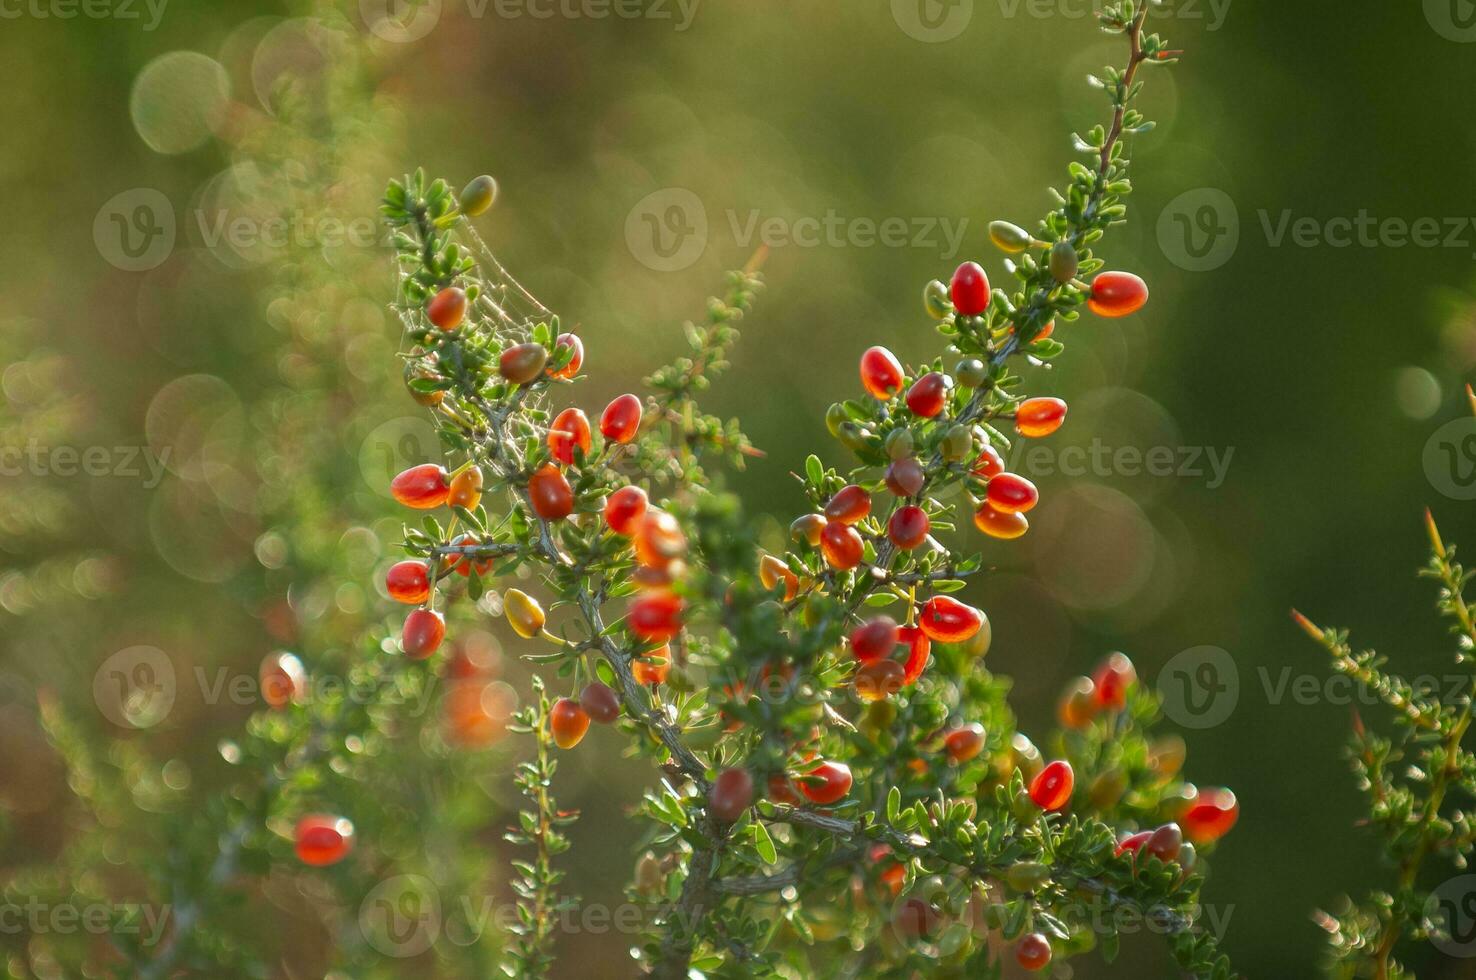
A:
835	415
1064	262
1025	809
1009	238
478	195
1027	876
971	372
958	444
880	715
899	444
853	436
936	301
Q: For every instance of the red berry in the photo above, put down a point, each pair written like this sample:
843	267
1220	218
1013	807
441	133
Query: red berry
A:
970	289
1116	294
423	487
1051	788
463	564
570	430
730	795
1033	952
1112	679
656	617
322	839
567	722
424	630
850	505
908	527
1037	417
550	493
964	742
1211	816
1165	843
447	308
879	679
283	679
600	702
989	464
659	540
1000	524
523	364
1012	494
874	639
621	419
947	620
624	510
1078	704
1133	843
408	582
826	783
919	648
881	373
905	477
781	789
928	395
841	545
576	362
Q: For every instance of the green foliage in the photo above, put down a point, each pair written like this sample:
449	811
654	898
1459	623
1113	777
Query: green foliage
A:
1413	779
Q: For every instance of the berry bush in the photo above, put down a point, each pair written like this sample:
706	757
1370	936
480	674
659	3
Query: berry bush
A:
839	786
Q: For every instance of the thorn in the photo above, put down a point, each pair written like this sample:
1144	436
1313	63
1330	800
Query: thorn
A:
1434	533
756	260
1309	627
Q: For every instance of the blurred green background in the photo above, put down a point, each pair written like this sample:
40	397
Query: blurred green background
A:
1320	371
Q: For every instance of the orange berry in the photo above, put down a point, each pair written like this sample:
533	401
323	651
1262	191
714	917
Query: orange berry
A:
659	540
772	571
1038	417
447	308
466	488
1051	788
283	679
1000	524
1116	294
656	617
567	722
964	742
